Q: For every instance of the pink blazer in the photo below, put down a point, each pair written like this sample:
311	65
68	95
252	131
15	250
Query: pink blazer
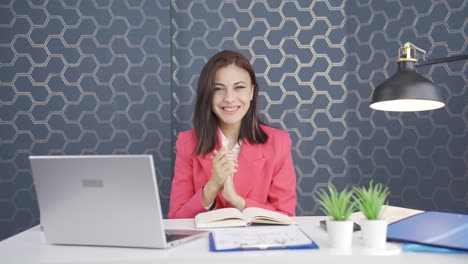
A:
265	176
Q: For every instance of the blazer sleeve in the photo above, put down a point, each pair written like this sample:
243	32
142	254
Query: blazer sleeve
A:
282	194
185	200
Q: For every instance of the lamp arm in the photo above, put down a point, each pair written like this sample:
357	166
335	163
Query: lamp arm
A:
442	60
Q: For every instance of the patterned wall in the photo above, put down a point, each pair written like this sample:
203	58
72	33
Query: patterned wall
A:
115	76
318	63
80	77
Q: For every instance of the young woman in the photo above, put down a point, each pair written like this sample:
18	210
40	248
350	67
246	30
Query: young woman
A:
231	159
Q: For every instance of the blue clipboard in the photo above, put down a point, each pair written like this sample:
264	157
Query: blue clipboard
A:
311	245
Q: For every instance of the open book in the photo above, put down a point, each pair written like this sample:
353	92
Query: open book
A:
231	217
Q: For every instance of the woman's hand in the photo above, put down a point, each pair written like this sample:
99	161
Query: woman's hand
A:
224	165
229	193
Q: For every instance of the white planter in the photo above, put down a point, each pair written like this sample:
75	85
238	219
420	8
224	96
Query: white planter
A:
374	233
340	234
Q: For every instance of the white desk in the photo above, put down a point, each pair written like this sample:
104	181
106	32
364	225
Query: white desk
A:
29	247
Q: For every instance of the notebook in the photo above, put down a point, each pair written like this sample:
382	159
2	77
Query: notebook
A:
440	229
102	200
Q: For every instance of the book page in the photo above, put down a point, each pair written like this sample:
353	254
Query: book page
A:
220	218
261	237
390	213
264	216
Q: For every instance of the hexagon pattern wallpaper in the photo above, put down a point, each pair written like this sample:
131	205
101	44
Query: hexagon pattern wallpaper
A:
119	77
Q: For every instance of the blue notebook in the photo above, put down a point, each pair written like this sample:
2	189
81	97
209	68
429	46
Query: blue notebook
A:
260	238
439	229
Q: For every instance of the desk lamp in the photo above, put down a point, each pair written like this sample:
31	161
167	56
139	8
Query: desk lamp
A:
408	91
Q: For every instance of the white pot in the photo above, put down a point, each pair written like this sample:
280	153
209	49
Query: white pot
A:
340	233
374	233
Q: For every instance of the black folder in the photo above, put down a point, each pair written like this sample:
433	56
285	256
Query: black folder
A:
441	229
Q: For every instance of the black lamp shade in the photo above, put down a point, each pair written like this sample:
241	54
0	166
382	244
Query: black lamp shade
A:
407	91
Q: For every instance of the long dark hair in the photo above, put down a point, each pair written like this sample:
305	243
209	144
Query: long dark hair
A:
205	121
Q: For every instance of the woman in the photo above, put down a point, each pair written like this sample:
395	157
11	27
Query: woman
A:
231	159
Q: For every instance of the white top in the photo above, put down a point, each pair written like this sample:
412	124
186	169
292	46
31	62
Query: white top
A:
225	143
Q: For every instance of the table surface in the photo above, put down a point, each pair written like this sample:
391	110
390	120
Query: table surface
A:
30	247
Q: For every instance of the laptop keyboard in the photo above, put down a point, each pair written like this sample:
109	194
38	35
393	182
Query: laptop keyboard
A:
173	237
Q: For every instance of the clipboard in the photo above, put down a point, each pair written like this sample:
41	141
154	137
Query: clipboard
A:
287	237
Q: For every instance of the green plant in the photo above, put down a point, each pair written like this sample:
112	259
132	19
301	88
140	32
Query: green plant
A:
337	205
370	201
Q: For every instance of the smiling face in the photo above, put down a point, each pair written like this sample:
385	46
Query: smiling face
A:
232	95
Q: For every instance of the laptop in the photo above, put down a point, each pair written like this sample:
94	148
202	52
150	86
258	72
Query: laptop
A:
102	200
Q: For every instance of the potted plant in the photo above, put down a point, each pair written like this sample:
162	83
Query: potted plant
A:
338	206
370	201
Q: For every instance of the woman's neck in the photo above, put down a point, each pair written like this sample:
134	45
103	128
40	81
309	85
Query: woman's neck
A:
232	134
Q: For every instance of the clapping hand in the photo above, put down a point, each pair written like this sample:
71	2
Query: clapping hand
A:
222	179
224	165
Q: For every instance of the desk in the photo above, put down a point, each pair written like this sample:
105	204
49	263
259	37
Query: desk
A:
29	247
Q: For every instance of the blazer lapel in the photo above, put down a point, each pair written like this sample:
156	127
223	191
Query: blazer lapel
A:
206	162
251	163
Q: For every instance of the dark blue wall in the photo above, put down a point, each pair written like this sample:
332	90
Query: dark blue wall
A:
120	77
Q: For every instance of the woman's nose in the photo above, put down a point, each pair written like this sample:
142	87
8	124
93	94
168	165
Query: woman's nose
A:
228	95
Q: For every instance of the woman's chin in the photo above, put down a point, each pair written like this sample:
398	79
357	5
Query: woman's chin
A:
229	123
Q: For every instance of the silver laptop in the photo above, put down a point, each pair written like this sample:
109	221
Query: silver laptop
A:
103	201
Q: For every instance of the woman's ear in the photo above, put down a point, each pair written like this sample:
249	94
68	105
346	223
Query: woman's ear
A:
252	92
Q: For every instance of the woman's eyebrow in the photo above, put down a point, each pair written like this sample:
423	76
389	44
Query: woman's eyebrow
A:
240	82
